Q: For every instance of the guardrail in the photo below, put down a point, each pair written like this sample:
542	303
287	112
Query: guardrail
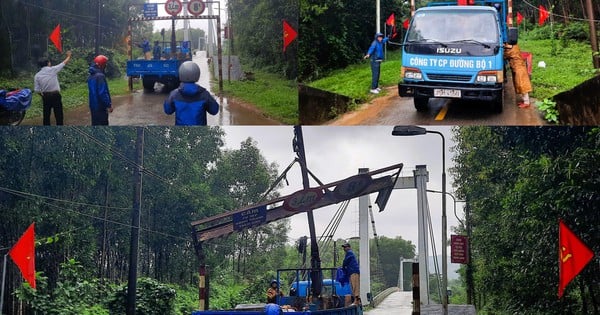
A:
381	296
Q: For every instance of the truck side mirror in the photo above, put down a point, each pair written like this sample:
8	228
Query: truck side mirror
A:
513	35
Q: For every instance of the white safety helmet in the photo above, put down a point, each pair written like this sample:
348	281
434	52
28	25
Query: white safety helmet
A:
189	72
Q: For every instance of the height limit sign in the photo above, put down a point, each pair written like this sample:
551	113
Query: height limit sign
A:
173	7
196	7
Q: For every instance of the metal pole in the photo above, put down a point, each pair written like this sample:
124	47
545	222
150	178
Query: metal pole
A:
97	45
365	255
219	53
315	260
421	178
3	278
378	16
135	222
444	228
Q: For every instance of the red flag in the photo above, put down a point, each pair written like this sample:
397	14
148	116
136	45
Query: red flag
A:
23	254
543	15
391	21
462	2
573	255
405	24
55	38
289	34
519	18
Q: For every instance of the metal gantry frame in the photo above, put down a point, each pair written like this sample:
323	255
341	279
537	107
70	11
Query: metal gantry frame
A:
209	17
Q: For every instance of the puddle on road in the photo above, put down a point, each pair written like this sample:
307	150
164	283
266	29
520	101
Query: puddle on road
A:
146	109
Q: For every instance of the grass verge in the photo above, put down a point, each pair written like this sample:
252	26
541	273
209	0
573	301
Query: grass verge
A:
355	80
275	97
567	65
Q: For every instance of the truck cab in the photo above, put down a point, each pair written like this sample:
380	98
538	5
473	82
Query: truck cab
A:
456	52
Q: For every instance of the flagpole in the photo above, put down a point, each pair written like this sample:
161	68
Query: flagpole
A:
3	278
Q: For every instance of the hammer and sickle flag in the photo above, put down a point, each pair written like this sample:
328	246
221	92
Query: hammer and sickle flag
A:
289	34
55	38
573	255
23	254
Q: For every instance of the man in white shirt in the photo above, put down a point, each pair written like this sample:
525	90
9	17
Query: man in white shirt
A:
46	83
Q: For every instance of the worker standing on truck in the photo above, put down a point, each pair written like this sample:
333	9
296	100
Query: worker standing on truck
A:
351	268
145	46
375	52
190	102
520	76
157	51
273	291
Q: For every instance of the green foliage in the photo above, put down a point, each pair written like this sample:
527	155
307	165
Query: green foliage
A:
355	80
275	96
565	69
74	293
518	182
336	34
152	297
548	108
257	29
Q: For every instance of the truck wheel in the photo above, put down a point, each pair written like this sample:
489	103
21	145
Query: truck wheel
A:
170	83
498	103
148	83
421	103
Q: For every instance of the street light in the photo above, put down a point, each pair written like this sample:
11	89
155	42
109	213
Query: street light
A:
416	131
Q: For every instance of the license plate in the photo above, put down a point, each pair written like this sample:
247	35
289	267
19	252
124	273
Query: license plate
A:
446	93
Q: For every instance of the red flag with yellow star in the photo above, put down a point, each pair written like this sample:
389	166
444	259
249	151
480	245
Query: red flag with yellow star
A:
23	254
573	255
289	34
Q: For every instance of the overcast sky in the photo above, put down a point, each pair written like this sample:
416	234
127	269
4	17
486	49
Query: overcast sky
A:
335	153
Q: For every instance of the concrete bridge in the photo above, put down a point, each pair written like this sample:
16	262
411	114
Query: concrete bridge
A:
400	303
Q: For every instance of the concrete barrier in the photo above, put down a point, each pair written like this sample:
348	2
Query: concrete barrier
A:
317	106
580	105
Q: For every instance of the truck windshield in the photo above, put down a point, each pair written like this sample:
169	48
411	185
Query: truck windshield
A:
446	26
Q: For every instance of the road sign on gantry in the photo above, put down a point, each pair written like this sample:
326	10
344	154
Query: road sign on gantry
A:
173	7
196	7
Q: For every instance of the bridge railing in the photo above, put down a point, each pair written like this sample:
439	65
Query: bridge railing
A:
381	296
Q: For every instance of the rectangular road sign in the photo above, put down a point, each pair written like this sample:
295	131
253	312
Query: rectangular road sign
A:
459	249
250	218
150	9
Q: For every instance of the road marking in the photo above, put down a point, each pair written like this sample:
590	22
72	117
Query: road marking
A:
442	114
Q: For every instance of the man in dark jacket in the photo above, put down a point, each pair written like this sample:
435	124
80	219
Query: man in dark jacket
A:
190	102
375	52
99	96
351	268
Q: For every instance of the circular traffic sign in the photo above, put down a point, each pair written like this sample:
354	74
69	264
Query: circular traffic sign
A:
196	7
173	7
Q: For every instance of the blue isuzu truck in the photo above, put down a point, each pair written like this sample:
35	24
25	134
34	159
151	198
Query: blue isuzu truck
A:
456	52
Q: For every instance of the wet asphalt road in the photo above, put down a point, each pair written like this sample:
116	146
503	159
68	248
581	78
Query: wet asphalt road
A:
146	108
391	109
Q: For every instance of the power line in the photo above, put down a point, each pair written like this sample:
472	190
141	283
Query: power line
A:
24	194
32	197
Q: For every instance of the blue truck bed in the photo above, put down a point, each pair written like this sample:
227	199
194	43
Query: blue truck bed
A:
141	67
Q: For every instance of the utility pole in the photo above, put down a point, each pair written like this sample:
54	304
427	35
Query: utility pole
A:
135	222
593	38
97	27
469	269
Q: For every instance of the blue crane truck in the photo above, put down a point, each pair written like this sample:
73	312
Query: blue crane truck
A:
456	52
152	71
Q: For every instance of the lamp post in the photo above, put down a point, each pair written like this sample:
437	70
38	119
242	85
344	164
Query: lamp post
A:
416	131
